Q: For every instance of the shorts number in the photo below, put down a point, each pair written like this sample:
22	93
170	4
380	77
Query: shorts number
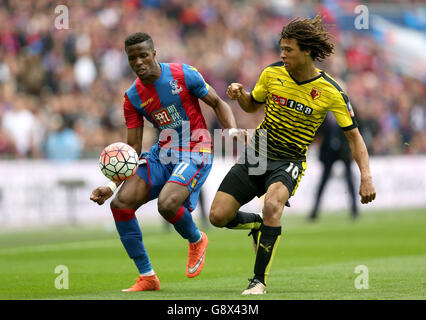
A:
293	170
181	167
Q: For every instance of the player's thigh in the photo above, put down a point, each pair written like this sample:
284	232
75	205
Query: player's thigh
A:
236	189
133	193
171	198
184	184
223	209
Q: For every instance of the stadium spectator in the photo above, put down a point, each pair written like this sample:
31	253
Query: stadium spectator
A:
62	143
41	62
20	125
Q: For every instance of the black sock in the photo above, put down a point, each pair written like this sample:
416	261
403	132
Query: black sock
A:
245	220
268	241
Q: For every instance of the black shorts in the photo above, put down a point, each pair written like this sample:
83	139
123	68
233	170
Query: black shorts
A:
244	186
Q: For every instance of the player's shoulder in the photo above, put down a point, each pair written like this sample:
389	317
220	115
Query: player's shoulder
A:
178	65
272	71
192	75
187	68
132	93
331	82
332	85
275	69
274	66
132	89
182	68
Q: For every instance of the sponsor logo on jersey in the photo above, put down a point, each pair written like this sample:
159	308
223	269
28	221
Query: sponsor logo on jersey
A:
168	117
143	104
292	104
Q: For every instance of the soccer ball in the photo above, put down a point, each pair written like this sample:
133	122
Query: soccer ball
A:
118	161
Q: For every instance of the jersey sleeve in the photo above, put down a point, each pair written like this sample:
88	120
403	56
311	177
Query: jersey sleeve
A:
260	90
343	111
133	118
195	81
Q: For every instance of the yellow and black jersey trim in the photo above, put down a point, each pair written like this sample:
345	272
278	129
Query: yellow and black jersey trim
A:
345	98
294	110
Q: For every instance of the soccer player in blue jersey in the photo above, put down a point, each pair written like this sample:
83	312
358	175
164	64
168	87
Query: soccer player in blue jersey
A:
175	168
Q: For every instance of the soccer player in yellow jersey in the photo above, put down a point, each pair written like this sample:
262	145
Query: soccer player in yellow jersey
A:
296	97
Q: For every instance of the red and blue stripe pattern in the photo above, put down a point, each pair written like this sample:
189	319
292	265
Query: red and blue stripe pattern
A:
170	101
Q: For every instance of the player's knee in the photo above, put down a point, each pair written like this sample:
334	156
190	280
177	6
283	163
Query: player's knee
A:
116	203
216	218
272	209
168	206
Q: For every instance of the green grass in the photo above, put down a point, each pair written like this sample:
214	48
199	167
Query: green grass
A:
313	261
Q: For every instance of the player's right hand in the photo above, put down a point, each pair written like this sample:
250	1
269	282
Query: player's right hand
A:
234	91
367	190
101	194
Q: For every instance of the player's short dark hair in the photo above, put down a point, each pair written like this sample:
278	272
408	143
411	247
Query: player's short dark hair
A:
310	35
138	37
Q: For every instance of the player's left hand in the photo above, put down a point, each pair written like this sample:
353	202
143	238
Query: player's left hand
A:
367	190
101	194
239	134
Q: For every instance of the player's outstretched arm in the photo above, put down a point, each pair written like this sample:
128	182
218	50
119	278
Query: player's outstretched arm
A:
236	91
221	108
224	114
360	154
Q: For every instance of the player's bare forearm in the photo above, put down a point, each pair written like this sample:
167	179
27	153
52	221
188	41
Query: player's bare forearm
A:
224	115
360	155
359	152
134	138
236	91
246	103
221	108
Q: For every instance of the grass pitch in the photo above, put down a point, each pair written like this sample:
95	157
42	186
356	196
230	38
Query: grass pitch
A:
313	261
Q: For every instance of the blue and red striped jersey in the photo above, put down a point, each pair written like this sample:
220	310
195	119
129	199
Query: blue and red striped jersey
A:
171	105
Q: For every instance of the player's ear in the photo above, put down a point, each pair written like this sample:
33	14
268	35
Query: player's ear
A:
154	53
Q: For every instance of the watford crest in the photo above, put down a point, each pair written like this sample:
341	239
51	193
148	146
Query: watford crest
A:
315	93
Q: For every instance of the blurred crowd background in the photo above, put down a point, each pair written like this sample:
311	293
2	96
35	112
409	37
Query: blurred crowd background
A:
61	90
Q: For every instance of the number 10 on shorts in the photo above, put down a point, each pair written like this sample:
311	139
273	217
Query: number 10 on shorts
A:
293	170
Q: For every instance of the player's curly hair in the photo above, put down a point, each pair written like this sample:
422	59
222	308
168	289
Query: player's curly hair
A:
138	37
310	35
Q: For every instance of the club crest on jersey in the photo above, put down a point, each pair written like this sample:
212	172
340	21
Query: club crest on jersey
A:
175	87
315	93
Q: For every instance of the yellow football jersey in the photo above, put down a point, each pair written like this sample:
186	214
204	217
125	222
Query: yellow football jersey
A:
294	111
